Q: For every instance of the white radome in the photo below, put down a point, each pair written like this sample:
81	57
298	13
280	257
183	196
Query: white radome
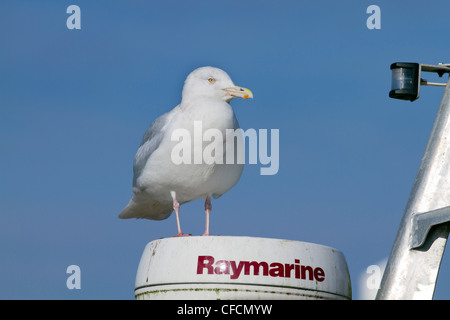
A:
159	185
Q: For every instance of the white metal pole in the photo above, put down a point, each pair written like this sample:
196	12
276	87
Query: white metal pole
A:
413	265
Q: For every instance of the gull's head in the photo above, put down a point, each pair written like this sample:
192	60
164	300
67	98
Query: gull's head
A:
210	82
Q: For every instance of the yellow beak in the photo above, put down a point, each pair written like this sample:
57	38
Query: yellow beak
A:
239	92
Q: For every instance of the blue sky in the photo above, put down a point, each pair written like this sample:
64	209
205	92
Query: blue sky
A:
74	105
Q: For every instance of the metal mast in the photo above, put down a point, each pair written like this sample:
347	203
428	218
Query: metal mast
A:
413	265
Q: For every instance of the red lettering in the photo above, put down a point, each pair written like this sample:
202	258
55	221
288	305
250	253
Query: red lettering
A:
310	272
297	269
287	270
222	267
319	274
237	270
276	270
201	264
256	267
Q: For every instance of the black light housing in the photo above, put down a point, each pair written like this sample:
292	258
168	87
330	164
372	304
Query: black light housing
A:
405	81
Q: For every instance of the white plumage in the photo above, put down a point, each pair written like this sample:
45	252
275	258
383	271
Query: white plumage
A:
160	186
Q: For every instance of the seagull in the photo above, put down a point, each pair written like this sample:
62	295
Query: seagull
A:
160	184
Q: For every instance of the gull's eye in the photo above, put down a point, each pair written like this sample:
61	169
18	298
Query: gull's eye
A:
211	80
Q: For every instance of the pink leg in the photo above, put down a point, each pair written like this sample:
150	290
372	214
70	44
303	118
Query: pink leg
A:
208	208
176	207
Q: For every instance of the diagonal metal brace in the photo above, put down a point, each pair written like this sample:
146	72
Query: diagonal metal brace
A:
422	223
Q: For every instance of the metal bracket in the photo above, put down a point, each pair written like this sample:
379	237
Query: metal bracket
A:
422	223
441	68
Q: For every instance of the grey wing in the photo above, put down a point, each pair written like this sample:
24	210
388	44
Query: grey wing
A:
150	142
